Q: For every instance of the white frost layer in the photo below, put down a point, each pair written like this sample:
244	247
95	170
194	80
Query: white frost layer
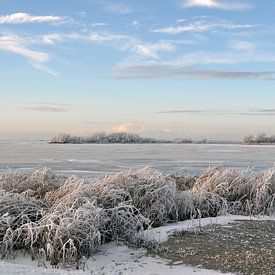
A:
113	259
161	234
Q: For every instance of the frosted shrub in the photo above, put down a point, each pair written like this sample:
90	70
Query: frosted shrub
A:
185	204
16	212
124	222
65	219
35	185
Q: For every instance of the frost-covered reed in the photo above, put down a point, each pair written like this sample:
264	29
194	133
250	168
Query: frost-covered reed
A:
67	218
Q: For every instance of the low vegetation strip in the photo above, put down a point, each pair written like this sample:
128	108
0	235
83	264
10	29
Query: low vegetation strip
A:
258	139
103	138
65	219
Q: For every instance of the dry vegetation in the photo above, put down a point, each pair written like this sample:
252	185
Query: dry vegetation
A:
65	219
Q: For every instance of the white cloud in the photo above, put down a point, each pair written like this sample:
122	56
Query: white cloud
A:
151	49
123	42
199	65
216	4
181	20
203	26
19	46
241	45
114	6
44	68
93	37
118	8
25	18
128	127
52	38
167	131
82	14
99	24
96	37
236	57
136	23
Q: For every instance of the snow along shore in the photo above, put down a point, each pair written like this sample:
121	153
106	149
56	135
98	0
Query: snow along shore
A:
118	259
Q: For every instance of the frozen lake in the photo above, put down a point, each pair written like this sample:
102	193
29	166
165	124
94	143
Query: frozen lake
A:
96	159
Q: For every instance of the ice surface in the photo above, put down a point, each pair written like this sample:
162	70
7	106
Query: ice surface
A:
98	159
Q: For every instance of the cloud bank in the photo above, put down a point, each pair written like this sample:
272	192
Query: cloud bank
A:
158	71
46	107
252	112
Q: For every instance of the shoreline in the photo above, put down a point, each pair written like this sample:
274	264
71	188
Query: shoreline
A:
63	219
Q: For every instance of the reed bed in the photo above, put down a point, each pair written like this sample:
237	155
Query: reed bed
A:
66	219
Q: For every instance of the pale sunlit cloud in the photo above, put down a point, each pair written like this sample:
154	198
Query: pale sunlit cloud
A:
167	131
128	127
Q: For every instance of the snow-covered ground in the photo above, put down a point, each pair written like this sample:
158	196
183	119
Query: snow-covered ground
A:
161	234
119	259
111	259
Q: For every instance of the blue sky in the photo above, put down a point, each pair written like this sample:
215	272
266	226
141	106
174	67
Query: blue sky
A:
183	68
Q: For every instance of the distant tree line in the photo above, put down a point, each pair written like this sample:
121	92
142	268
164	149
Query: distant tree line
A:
103	138
258	139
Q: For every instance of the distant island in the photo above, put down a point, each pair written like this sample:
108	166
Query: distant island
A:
260	139
123	138
131	138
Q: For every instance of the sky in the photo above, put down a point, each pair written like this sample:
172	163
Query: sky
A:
183	68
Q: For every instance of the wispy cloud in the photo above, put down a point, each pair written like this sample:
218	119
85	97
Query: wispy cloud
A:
251	112
128	127
44	68
92	37
19	46
187	111
114	6
217	4
241	45
22	46
157	71
118	8
98	123
46	107
223	58
99	24
167	131
25	18
123	43
149	49
136	23
203	24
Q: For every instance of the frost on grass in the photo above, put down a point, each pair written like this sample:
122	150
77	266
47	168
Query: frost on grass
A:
67	219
